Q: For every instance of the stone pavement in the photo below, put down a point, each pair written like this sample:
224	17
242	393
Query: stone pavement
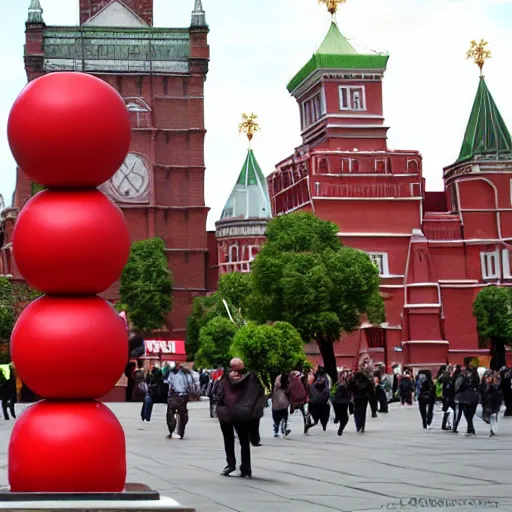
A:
395	465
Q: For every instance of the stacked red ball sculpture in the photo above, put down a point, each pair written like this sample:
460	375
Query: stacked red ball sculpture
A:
69	132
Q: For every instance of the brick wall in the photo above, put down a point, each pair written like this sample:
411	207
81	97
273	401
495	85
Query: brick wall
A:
143	8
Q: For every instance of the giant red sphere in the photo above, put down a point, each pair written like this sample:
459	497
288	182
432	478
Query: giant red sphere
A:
69	130
55	336
71	242
67	447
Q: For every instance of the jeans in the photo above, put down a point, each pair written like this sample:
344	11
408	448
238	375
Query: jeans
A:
469	412
426	405
280	418
177	404
493	423
360	405
147	409
341	415
242	431
8	403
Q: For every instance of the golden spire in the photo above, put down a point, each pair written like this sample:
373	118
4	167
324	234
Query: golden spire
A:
479	53
249	126
332	5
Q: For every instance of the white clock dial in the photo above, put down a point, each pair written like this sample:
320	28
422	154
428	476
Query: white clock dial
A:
131	181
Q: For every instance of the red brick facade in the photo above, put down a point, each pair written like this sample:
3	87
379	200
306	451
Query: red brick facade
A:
167	111
142	8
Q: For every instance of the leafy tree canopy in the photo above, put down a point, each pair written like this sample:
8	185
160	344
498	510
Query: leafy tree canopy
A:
234	288
304	275
146	285
493	312
215	340
269	349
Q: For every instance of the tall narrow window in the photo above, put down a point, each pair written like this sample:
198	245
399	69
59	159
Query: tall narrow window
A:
506	259
380	260
490	265
352	98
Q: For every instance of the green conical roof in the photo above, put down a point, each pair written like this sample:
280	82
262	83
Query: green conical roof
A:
486	135
249	198
337	53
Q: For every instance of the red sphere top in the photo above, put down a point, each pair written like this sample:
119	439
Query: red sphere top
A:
69	130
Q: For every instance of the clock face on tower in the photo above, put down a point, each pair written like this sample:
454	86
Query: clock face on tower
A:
131	182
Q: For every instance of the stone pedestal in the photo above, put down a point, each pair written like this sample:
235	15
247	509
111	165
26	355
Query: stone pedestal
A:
136	498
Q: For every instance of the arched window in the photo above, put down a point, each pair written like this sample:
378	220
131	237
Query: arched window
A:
140	112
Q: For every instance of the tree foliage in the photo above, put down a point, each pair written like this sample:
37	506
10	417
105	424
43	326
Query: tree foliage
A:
146	285
14	298
493	312
269	349
215	340
304	275
235	289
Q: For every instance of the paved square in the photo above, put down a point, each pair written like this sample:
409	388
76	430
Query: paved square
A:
394	460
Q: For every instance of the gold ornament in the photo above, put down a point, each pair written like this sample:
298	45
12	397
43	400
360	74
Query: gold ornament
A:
332	5
479	53
249	126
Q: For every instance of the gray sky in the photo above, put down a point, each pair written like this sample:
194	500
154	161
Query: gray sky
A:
256	47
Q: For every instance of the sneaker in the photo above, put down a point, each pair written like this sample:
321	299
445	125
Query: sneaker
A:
429	427
492	434
287	432
228	470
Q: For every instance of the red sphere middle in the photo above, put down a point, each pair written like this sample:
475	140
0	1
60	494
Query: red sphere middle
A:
69	130
54	334
73	243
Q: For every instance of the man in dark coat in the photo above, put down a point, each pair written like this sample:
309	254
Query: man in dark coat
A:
240	396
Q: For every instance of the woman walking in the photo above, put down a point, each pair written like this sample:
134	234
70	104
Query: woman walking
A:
319	408
491	401
426	397
340	398
361	387
280	404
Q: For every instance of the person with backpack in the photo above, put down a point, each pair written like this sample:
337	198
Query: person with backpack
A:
319	407
467	397
297	394
280	404
426	397
406	389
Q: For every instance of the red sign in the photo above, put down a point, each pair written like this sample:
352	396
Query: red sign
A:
164	347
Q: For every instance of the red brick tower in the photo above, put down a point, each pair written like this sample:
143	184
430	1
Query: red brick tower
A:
161	73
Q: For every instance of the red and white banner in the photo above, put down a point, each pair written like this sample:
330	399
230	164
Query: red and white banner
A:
164	347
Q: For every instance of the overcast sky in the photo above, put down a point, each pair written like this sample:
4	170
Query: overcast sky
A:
257	46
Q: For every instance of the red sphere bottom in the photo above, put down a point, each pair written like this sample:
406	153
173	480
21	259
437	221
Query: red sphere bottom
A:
67	447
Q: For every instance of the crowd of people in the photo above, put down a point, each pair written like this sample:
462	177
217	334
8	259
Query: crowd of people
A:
238	399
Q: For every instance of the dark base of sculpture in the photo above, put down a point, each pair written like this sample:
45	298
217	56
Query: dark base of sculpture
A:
136	497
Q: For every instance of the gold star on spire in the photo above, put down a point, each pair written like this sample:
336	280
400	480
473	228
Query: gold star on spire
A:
332	5
479	53
249	126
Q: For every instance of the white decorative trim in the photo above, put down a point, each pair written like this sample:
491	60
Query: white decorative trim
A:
454	281
462	351
373	235
426	305
368	198
349	89
428	342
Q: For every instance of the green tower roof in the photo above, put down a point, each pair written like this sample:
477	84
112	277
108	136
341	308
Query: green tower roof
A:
249	198
337	53
486	135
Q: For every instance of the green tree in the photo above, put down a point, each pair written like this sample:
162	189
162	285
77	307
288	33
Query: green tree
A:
234	288
269	349
304	275
493	312
14	297
146	285
215	340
